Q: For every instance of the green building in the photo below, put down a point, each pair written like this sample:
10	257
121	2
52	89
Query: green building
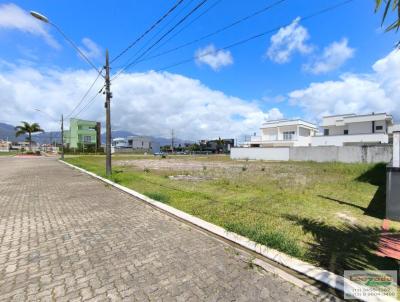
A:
83	134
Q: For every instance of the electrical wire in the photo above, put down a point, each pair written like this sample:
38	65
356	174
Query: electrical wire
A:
89	103
218	31
190	23
179	2
84	96
149	41
262	34
164	35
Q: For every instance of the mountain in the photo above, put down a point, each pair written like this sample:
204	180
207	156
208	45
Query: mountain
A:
7	132
161	140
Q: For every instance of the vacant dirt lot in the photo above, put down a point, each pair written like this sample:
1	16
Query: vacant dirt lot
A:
177	164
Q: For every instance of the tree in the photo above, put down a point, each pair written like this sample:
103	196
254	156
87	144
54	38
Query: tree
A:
389	5
27	128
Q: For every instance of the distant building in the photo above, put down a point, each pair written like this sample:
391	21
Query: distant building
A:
283	133
120	143
352	129
217	145
83	133
5	146
142	143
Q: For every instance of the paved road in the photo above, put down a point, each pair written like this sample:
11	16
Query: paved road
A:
67	237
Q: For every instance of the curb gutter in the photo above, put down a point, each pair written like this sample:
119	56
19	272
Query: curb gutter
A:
311	271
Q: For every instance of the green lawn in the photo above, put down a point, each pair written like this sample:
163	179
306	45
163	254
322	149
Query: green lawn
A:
11	153
328	214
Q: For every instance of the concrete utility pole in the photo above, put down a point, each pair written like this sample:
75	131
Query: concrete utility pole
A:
108	117
62	136
172	140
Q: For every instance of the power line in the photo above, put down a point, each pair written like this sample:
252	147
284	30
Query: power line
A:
218	31
164	35
91	100
190	23
149	41
243	41
148	30
84	96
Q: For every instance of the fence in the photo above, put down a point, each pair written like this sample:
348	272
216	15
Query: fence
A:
346	154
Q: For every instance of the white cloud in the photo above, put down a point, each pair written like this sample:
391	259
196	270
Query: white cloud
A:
91	49
377	91
287	41
333	57
214	58
145	103
14	17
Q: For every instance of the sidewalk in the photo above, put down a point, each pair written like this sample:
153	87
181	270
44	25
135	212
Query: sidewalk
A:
65	236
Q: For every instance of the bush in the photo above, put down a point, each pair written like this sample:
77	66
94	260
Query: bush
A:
158	196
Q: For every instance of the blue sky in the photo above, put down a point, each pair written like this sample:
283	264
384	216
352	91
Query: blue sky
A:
248	72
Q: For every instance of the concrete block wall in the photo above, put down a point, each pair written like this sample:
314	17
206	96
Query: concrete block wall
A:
346	154
281	154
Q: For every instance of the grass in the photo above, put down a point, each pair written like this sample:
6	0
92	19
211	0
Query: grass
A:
11	153
328	214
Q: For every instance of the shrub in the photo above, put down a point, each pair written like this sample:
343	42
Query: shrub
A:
158	196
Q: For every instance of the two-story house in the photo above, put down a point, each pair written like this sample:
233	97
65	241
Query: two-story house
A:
82	133
352	129
283	133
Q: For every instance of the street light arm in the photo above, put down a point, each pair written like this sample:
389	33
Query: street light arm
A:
72	43
45	113
81	53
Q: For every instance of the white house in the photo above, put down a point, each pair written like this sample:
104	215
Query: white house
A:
120	143
143	143
352	129
283	133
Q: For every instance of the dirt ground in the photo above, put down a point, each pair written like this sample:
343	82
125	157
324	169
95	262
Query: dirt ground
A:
178	164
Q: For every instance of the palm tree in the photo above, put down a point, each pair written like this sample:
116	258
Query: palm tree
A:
27	128
392	5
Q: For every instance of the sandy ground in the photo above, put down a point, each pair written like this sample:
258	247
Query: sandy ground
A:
177	165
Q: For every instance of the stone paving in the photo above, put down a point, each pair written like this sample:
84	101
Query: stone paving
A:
67	237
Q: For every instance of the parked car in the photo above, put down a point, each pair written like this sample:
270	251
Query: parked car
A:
160	154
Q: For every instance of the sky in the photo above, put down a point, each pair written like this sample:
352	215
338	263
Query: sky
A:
336	62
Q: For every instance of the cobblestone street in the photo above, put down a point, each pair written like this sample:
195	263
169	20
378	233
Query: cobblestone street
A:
65	236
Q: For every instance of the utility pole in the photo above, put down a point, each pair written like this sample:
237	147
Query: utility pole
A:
62	136
108	117
172	140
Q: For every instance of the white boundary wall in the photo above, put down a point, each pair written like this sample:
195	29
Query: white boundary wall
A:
346	154
281	154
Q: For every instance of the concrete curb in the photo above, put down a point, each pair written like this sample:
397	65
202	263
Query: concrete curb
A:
311	271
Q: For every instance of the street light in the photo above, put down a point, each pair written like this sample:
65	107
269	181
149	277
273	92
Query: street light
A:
44	19
62	128
107	87
39	16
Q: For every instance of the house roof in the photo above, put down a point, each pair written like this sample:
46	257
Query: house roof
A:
283	122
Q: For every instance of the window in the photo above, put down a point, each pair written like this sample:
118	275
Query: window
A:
288	135
326	132
346	132
87	139
379	128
